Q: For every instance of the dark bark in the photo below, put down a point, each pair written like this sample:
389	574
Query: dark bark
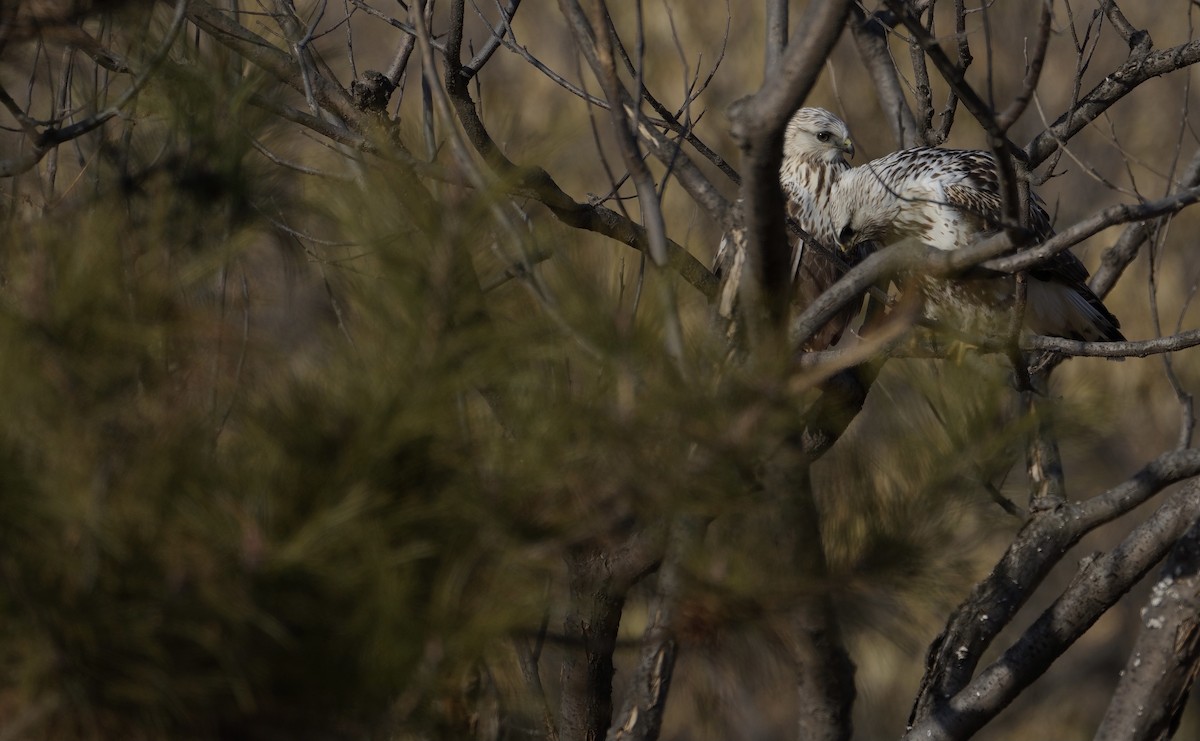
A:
1153	689
1038	546
1100	582
600	576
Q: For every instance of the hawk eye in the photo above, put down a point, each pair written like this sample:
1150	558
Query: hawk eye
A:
823	136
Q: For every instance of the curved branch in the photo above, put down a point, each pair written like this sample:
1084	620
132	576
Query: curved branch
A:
1038	546
1154	685
536	183
1101	581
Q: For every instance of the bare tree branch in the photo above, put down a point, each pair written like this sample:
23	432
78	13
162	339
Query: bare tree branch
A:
1122	81
1136	349
471	68
1121	254
49	138
536	183
1120	214
776	36
1153	688
640	718
1033	72
1040	544
870	38
604	66
1100	582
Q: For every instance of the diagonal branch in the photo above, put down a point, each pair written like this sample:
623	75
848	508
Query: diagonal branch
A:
1153	688
1038	546
1142	65
1119	214
1121	254
536	183
1100	582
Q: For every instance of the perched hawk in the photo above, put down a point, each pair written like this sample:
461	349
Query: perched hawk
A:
814	143
950	198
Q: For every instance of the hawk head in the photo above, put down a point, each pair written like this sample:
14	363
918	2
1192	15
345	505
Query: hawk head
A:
816	136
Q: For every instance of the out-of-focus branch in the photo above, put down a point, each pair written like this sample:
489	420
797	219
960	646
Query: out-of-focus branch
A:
825	688
600	578
640	718
536	183
776	34
1038	546
1043	462
263	54
49	138
1153	688
624	118
1100	582
758	123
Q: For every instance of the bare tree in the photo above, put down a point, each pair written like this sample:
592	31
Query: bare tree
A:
692	501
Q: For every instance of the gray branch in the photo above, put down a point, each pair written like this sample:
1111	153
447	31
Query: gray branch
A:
1100	582
1154	686
1038	546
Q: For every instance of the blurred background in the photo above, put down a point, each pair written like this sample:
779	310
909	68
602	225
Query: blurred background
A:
292	447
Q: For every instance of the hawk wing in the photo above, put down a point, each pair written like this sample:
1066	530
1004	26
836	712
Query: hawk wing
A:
979	194
950	198
816	267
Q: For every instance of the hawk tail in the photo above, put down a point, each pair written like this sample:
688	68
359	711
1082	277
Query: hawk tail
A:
1070	311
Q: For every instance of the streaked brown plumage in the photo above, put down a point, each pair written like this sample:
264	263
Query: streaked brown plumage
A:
813	147
815	142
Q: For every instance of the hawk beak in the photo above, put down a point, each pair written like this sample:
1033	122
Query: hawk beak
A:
848	147
845	238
